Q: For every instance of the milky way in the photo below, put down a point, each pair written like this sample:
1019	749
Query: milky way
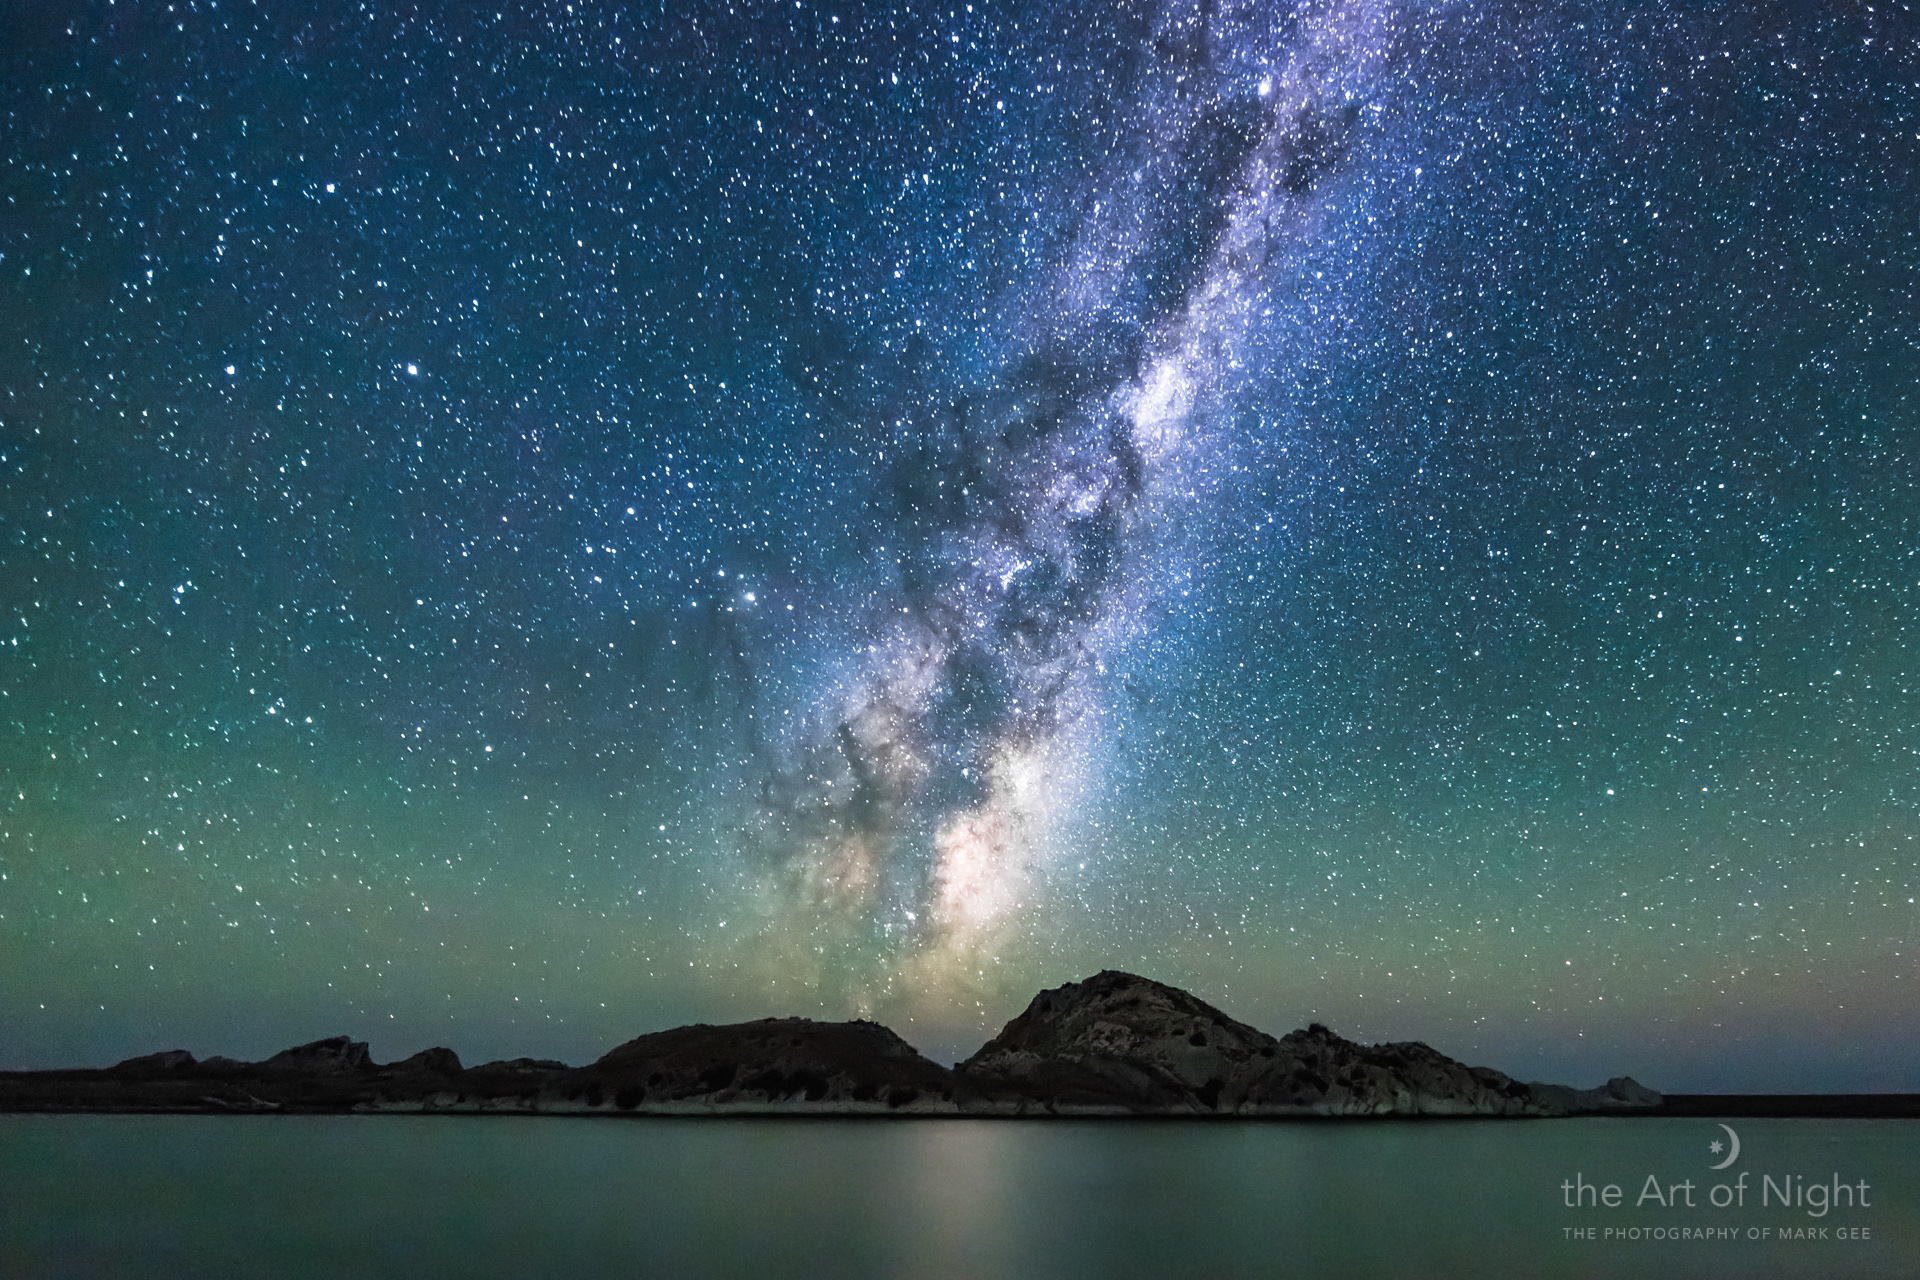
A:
1035	508
523	525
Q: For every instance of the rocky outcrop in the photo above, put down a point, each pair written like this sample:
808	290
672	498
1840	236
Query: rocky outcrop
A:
1121	1044
1115	1044
1330	1075
1622	1093
432	1062
156	1063
522	1066
332	1055
773	1064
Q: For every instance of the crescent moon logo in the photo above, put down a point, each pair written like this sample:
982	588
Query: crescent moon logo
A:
1733	1152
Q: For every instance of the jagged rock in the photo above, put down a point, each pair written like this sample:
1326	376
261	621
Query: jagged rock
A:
334	1054
152	1063
776	1061
439	1062
1405	1078
1121	1043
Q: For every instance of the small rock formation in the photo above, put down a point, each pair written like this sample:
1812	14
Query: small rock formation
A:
1622	1093
775	1063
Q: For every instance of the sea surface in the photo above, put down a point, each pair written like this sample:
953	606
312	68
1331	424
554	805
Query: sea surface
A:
419	1197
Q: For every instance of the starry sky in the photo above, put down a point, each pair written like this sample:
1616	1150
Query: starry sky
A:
522	528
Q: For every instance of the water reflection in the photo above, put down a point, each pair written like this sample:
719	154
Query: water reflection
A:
946	1200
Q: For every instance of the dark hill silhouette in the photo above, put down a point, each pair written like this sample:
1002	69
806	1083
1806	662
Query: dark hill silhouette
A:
1115	1044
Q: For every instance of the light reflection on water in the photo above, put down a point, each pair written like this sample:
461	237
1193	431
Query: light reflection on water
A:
105	1196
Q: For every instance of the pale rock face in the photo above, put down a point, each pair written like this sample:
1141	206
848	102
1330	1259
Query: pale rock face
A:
1122	1043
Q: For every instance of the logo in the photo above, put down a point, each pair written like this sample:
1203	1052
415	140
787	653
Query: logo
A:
1716	1147
1764	1204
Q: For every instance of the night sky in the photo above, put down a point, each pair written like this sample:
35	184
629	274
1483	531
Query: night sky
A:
522	529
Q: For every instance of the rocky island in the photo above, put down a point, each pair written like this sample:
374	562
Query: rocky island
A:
1113	1045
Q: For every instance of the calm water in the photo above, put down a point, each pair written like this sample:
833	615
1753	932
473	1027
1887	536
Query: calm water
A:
422	1197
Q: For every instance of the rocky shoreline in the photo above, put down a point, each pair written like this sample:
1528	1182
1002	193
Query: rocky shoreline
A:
1114	1045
